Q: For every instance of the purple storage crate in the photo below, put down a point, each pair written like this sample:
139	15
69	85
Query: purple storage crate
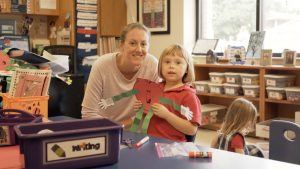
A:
72	144
8	119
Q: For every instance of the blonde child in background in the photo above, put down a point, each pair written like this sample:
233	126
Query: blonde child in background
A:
239	120
177	71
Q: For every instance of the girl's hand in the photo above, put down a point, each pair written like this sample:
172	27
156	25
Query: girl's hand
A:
137	105
160	110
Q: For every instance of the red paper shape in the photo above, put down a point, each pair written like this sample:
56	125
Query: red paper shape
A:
4	59
148	92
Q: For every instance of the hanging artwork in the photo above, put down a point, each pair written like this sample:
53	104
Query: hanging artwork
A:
155	14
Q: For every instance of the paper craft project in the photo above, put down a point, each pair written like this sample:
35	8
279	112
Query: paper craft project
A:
149	92
28	82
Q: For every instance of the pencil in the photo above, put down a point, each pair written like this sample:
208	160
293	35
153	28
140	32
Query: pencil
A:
141	142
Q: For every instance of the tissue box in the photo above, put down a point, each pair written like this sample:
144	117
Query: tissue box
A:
72	144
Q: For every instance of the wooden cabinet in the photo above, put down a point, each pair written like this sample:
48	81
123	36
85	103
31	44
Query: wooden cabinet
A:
113	17
267	108
43	7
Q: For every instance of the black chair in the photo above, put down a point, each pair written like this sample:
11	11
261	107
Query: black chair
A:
64	99
64	50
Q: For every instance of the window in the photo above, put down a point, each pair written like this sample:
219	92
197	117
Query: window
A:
232	21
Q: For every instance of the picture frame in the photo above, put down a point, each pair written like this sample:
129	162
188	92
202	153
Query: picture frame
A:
266	57
289	57
155	14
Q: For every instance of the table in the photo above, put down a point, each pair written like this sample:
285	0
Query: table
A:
146	158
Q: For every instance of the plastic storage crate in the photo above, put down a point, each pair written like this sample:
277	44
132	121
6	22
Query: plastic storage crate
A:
293	94
280	80
232	89
202	86
72	144
251	90
37	105
212	113
249	79
217	77
233	78
277	93
8	119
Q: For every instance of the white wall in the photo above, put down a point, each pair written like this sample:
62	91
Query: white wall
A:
182	25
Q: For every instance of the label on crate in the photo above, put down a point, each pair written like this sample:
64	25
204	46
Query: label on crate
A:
229	91
249	93
271	82
215	90
275	95
246	81
200	88
4	136
59	151
230	80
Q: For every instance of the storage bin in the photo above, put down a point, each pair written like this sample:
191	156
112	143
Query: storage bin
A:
279	80
232	78
212	113
8	119
37	105
251	90
216	88
249	79
202	86
263	128
293	94
217	77
72	144
276	93
232	89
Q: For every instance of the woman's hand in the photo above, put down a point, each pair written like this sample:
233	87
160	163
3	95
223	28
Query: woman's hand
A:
137	105
160	110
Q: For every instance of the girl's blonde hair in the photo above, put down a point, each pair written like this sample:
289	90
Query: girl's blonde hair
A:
240	115
178	50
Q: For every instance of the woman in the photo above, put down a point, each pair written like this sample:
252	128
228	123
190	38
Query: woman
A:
115	73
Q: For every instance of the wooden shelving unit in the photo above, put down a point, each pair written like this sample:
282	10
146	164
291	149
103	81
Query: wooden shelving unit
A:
267	108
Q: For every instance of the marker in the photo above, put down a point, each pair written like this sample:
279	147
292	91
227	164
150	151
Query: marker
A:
141	142
200	154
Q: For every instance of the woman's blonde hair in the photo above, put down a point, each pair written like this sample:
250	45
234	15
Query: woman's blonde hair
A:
178	50
240	115
132	26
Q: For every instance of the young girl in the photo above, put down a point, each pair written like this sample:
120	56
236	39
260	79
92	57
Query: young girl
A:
239	120
177	71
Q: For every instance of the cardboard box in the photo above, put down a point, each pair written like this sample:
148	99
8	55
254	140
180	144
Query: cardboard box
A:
263	128
71	144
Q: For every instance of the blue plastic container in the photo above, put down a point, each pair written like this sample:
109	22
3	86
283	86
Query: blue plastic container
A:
71	144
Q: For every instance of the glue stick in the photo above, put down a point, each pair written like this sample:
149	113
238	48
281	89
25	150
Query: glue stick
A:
200	154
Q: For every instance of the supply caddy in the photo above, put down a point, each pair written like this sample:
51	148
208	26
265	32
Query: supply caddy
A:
70	144
8	119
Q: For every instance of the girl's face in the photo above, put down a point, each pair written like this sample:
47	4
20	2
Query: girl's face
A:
135	47
173	68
